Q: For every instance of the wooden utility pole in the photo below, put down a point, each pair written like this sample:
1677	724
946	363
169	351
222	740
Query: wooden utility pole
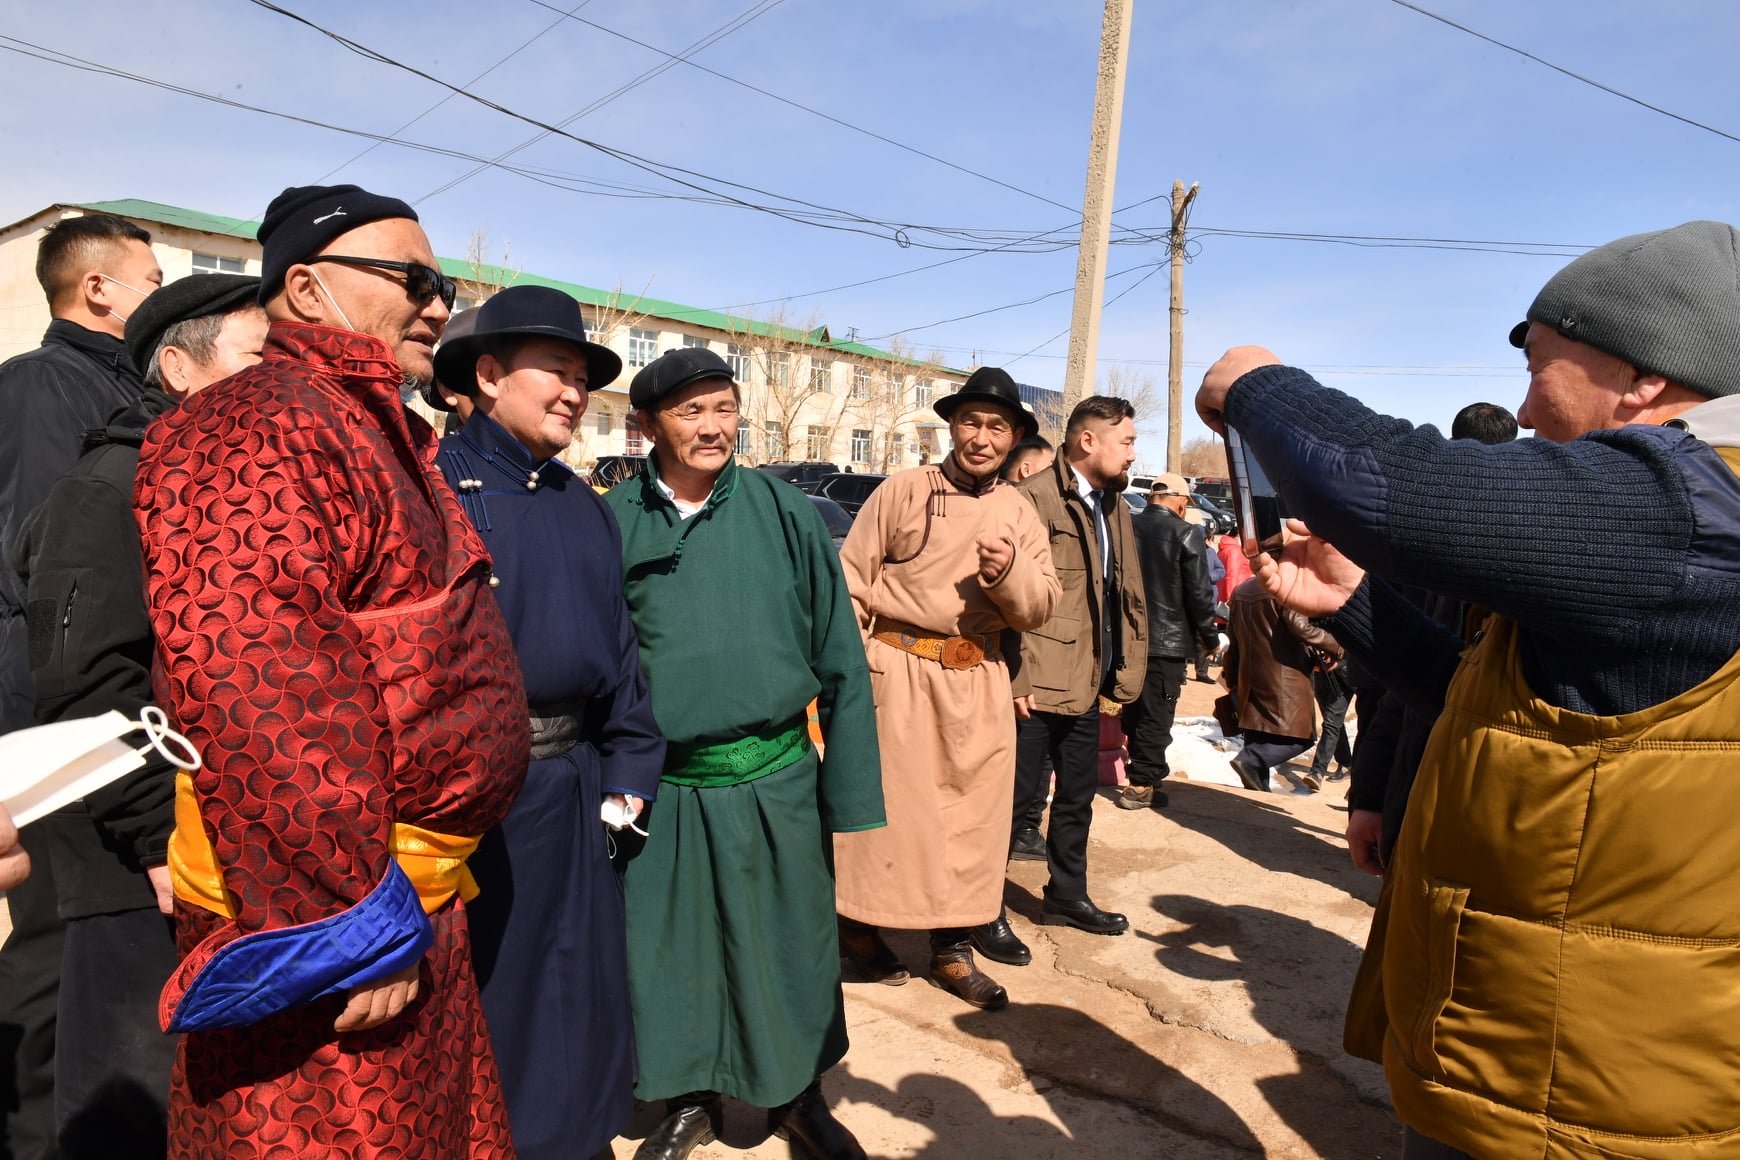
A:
1096	212
1175	368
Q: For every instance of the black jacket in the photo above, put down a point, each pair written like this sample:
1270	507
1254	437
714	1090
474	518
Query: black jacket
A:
1175	577
90	651
49	398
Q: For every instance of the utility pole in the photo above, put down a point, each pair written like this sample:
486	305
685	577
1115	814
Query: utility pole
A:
1096	212
1175	368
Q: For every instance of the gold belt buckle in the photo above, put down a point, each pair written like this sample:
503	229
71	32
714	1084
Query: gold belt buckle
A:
959	652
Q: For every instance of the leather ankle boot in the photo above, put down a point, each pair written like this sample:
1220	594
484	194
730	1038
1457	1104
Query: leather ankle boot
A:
872	958
811	1128
689	1122
952	968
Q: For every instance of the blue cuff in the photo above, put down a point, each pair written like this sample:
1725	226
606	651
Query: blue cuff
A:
262	974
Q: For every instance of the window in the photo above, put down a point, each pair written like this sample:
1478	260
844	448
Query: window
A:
738	359
921	392
779	368
631	440
896	389
817	445
464	302
643	346
860	446
775	440
212	264
821	375
690	342
896	448
745	434
604	420
860	382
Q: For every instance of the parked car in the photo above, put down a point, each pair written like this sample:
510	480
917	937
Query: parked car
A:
848	489
838	519
1137	501
1216	491
611	470
1216	518
803	476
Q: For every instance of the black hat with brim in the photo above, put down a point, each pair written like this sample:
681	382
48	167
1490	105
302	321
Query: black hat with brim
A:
459	326
525	312
991	385
672	371
194	296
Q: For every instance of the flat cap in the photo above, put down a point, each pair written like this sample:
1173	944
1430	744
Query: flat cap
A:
672	371
1667	302
194	296
304	220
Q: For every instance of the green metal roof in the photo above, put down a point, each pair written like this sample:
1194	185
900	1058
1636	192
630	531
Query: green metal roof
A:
457	268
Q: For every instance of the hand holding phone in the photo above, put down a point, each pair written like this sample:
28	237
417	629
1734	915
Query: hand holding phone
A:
1257	508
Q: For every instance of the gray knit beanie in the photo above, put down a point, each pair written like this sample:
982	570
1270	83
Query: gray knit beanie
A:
1667	302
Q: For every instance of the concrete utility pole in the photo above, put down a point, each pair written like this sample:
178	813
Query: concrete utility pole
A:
1096	211
1175	369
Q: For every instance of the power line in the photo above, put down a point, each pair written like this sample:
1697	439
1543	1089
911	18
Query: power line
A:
1149	266
1154	269
761	8
1609	89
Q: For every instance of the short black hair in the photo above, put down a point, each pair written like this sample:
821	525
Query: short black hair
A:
1485	422
1108	407
1031	445
76	244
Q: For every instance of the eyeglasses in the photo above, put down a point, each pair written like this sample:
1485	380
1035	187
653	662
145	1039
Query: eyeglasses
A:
422	283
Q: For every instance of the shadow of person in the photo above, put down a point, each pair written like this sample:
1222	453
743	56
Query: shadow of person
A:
962	1125
1077	1054
1297	978
1266	834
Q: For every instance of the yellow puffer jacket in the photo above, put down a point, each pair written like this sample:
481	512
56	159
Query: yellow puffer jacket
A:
1561	950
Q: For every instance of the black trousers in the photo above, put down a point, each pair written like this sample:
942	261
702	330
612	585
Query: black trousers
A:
112	1060
1148	720
1267	750
1333	696
29	977
1073	744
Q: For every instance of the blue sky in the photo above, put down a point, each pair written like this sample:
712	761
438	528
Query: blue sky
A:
1359	117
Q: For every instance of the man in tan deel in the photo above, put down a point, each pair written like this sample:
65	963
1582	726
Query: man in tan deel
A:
941	560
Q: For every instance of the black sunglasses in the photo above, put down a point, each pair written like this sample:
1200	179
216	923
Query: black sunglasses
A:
422	283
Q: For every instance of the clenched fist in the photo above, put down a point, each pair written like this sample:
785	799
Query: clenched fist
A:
996	553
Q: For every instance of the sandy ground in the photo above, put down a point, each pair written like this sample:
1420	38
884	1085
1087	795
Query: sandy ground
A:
1212	1029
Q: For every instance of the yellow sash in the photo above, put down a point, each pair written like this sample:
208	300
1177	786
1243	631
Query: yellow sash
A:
435	863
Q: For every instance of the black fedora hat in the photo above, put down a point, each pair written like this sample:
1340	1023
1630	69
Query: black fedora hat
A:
531	312
993	385
459	326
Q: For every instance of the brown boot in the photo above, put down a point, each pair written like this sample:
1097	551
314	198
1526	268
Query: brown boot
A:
874	960
952	968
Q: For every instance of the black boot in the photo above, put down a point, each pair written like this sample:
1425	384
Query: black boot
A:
811	1128
996	941
690	1121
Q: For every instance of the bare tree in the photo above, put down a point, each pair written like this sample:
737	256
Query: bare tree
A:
1204	457
887	396
793	385
485	278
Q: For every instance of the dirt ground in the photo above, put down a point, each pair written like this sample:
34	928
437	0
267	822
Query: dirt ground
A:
1212	1029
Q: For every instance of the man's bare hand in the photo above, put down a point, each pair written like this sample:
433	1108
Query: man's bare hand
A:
1309	576
14	862
1024	707
1365	832
996	553
371	1006
1232	366
163	887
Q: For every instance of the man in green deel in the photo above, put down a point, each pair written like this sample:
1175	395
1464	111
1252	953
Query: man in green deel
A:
735	588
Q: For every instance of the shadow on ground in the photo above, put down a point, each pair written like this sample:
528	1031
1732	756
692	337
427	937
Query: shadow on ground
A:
1262	832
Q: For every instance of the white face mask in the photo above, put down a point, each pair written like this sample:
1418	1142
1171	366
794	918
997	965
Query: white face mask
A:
143	294
331	299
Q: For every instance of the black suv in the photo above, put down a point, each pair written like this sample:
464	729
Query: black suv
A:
848	489
803	476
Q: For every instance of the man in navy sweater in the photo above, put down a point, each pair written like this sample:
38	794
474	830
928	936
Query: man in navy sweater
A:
1609	550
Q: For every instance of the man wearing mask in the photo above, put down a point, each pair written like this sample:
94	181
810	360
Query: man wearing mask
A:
1554	941
327	638
91	647
941	562
735	588
96	270
1095	645
1180	602
548	926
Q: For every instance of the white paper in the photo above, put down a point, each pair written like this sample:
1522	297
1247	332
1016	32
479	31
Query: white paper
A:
50	766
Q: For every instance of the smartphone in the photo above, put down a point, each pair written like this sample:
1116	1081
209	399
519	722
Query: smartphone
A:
1255	505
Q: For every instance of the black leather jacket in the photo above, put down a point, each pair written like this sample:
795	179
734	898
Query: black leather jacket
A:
1175	576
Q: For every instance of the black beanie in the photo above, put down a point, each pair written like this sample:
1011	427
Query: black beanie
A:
304	219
